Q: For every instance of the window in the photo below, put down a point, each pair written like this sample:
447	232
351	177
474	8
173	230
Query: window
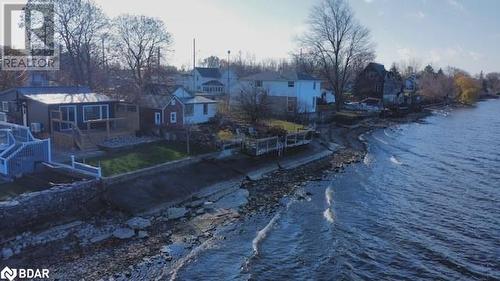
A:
5	106
172	102
189	109
173	117
157	118
314	86
291	84
258	83
205	109
95	112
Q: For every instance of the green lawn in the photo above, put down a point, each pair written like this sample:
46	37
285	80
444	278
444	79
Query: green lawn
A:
143	156
289	126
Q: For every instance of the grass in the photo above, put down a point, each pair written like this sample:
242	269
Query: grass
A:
225	135
143	156
288	126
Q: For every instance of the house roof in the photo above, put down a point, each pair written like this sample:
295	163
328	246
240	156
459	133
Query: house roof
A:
60	94
380	68
281	76
50	90
67	98
213	83
159	89
209	72
155	101
197	99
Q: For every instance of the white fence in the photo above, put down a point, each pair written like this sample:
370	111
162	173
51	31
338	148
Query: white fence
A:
258	147
86	168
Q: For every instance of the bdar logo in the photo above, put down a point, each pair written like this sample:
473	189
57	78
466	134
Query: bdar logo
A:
8	273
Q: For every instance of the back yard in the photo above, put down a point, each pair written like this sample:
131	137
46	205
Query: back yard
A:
143	156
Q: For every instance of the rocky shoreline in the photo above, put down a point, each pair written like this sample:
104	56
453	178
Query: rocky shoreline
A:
157	244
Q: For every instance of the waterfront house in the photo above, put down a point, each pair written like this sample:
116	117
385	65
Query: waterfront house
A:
370	82
289	91
175	109
70	116
378	83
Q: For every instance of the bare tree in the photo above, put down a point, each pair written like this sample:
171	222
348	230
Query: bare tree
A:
337	42
11	79
493	82
211	61
409	67
79	24
253	103
138	39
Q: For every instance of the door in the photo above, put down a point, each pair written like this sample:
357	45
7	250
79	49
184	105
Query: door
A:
157	118
68	113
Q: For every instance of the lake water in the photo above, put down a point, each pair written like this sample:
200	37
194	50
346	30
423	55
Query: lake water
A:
424	205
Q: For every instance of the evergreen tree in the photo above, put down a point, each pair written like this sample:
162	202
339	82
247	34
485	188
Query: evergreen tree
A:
394	70
428	69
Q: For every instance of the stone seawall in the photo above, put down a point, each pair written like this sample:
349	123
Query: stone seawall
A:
39	209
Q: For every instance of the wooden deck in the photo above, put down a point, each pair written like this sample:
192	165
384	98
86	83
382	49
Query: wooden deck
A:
94	132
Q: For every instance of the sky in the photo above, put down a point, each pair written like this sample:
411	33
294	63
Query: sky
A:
460	33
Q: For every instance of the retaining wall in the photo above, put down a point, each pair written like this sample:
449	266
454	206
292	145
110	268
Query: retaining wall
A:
38	209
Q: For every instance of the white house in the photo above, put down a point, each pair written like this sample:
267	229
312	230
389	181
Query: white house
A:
289	91
210	82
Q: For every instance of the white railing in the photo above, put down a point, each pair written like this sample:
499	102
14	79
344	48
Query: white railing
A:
22	150
23	159
298	138
86	168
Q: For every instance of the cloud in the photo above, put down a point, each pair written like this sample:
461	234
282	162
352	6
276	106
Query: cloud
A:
405	53
368	1
457	4
453	54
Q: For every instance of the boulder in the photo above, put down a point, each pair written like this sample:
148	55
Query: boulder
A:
176	213
7	253
100	237
143	234
138	223
124	233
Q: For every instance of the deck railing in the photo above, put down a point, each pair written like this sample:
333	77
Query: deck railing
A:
23	151
258	147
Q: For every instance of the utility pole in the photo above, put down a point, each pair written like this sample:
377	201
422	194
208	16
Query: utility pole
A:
103	54
158	66
228	92
194	64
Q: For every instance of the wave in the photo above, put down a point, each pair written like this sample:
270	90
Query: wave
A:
186	259
381	140
387	134
262	234
329	195
396	161
367	159
328	214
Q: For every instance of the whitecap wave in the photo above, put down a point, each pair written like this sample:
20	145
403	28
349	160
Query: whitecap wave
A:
329	195
328	214
396	161
367	159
